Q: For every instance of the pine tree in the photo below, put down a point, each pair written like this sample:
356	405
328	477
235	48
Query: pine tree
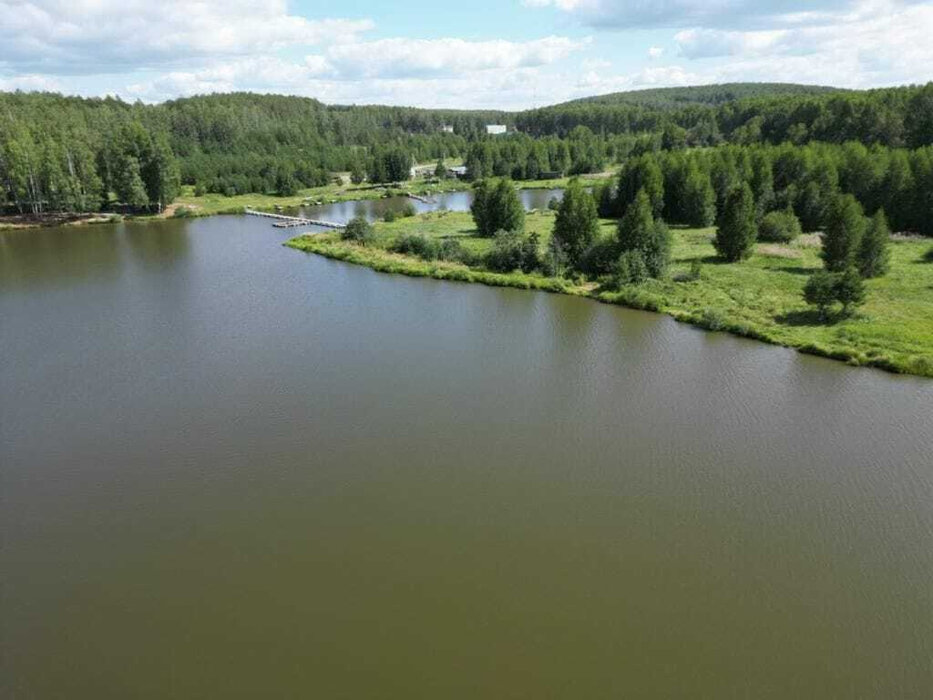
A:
642	173
874	256
638	231
577	224
850	290
843	235
699	199
496	207
736	234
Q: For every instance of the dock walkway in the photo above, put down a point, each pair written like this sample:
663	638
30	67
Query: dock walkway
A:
283	221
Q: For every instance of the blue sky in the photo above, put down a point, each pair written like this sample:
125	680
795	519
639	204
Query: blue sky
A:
501	54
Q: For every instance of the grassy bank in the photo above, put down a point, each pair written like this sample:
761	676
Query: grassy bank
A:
760	298
188	205
209	204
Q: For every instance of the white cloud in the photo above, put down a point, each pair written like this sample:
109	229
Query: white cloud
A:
400	58
655	52
97	36
42	83
878	43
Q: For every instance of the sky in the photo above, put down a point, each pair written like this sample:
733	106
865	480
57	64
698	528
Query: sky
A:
501	54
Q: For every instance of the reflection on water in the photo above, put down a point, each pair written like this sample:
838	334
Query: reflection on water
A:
373	209
230	469
44	256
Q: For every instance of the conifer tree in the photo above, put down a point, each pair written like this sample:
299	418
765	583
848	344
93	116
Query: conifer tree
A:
874	256
577	224
736	233
843	235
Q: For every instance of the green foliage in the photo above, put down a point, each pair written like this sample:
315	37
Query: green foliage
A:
638	231
699	199
824	289
357	172
513	251
576	225
358	229
736	233
779	227
759	299
843	235
641	174
128	183
631	268
417	245
820	291
392	164
496	207
874	255
850	290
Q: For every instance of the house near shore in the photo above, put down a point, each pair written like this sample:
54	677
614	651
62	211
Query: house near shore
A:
457	171
496	129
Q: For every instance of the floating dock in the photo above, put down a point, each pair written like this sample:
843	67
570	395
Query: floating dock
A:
283	221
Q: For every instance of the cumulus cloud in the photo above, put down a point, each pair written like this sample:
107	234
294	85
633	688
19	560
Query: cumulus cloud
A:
879	42
95	36
400	58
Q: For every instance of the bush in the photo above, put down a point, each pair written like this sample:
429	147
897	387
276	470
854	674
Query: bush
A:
553	204
631	268
779	227
183	213
824	289
417	245
389	216
358	230
408	211
601	257
512	251
200	190
928	256
450	249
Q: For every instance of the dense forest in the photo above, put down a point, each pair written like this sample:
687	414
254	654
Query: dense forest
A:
72	154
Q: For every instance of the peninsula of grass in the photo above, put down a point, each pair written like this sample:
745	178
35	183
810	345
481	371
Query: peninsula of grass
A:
758	298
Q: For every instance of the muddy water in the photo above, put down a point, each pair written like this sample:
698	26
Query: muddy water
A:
230	469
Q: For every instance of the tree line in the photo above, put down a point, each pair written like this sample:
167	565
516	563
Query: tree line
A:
894	117
72	154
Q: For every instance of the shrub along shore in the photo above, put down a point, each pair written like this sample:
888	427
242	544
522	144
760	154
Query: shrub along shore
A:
760	298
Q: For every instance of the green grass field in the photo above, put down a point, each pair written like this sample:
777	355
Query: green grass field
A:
758	298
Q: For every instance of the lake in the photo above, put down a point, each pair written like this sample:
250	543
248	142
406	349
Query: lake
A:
230	469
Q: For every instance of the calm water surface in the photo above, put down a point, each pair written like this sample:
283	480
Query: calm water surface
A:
231	470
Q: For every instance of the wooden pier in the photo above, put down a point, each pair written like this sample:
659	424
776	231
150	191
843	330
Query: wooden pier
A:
419	198
283	221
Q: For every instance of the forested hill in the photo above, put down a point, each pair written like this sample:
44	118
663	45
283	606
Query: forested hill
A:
66	153
674	97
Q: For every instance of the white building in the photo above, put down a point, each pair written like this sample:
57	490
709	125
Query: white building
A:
447	129
494	129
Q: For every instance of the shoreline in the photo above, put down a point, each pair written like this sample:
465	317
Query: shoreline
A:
652	296
216	204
